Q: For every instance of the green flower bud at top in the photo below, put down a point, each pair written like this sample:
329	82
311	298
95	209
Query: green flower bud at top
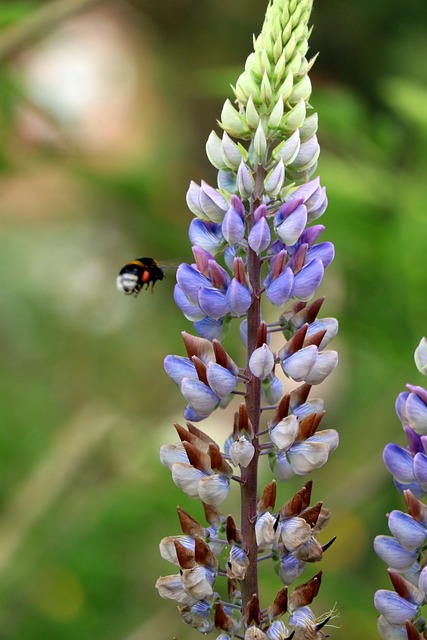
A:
288	149
294	119
421	357
309	127
252	115
266	91
301	91
260	145
233	122
231	154
214	151
276	115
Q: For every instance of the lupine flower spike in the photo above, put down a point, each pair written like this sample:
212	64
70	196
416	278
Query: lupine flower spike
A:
404	551
255	241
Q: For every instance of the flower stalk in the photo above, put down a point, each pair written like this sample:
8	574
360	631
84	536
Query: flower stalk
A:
254	246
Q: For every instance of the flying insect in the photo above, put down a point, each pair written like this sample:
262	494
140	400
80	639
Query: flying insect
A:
138	272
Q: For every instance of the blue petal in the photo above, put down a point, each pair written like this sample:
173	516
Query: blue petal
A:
199	396
209	328
259	236
393	554
213	302
420	469
178	367
325	251
238	297
233	227
396	610
220	379
308	280
191	311
399	462
416	414
207	235
280	290
400	403
190	280
408	532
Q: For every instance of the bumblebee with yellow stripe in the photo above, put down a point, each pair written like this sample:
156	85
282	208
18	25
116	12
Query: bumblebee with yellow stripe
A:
138	272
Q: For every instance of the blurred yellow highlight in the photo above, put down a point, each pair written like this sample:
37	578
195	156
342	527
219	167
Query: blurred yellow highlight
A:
57	593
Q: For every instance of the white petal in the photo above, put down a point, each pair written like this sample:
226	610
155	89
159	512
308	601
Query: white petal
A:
186	477
306	456
241	452
283	434
213	489
295	532
170	587
171	453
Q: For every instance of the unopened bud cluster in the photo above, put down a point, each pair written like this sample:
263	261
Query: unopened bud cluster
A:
404	551
252	238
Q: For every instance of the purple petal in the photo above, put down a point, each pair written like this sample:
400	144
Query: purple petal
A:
259	236
209	328
280	290
220	379
260	212
399	463
193	200
272	389
238	297
416	414
416	443
233	227
178	367
191	415
324	251
308	280
393	554
244	181
396	610
191	311
190	280
207	235
227	180
420	469
280	466
409	533
292	227
400	403
199	396
213	302
306	191
317	206
212	203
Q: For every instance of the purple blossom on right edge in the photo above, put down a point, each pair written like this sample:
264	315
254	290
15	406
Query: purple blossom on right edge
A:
404	550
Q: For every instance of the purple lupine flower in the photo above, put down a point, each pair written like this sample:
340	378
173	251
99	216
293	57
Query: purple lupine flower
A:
403	551
255	246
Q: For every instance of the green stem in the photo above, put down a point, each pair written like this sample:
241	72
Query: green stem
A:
249	586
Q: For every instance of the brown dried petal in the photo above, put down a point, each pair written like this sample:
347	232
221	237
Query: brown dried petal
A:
189	525
231	532
185	556
186	436
413	633
197	458
203	554
218	462
297	503
280	604
416	509
304	594
212	515
268	499
311	514
252	613
200	370
315	339
200	434
222	620
282	410
300	394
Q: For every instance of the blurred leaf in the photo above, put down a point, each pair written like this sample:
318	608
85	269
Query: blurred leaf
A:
13	11
408	98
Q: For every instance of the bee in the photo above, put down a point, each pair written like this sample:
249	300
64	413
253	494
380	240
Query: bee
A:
138	272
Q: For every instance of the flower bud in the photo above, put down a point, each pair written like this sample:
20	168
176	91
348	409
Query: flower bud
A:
273	182
261	362
241	452
421	357
214	151
232	121
288	149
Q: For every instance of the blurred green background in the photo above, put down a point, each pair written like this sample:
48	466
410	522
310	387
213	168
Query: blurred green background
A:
105	108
